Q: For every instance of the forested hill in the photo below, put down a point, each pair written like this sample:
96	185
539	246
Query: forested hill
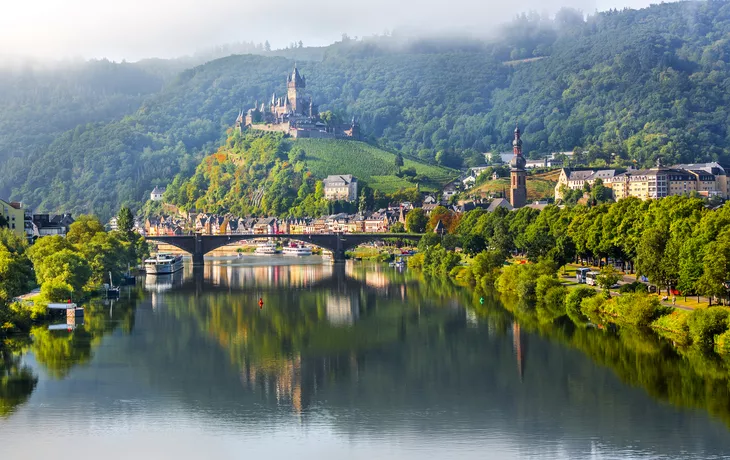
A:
637	84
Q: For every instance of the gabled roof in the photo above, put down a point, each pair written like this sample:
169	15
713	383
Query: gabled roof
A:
346	178
500	203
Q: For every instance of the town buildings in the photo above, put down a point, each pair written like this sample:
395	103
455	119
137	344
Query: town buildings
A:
50	224
295	114
705	179
14	215
341	187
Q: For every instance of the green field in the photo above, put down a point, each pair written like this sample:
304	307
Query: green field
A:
370	164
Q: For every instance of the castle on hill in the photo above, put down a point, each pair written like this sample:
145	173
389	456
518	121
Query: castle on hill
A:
295	114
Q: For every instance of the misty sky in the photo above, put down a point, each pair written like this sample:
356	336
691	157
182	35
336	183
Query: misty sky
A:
135	29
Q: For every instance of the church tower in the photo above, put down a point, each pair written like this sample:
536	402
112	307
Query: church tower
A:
518	175
295	85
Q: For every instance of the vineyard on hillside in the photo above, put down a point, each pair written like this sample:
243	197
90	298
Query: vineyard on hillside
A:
539	186
370	164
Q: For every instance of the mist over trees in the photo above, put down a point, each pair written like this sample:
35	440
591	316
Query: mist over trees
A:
625	86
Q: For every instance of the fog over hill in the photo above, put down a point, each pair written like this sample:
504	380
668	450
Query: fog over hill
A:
137	29
627	86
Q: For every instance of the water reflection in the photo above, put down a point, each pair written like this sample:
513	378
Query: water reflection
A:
355	361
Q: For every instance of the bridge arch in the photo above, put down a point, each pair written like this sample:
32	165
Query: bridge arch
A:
198	245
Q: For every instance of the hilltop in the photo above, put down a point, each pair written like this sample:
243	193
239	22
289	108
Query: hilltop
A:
625	86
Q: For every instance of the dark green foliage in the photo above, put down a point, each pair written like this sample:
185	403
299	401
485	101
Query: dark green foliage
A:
628	86
636	286
705	324
573	302
416	221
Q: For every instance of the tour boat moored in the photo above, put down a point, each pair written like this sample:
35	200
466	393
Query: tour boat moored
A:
163	264
266	249
297	250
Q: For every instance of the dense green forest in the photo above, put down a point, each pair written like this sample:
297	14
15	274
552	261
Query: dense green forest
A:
259	173
628	86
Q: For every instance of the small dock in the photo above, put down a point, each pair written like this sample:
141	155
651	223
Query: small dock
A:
73	311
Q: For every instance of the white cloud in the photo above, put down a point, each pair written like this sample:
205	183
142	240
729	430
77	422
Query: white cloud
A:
135	29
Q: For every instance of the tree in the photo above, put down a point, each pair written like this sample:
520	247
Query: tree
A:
440	213
399	161
125	220
608	277
16	273
267	46
397	228
650	256
473	244
84	229
416	221
66	266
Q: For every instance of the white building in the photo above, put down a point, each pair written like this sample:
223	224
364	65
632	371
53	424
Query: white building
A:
157	193
341	187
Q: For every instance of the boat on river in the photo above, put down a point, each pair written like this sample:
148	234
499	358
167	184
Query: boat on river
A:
163	264
266	249
297	250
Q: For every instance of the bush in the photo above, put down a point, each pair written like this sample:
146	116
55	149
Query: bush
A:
704	324
592	308
722	343
636	286
544	284
507	281
674	327
416	262
573	303
553	303
635	309
56	290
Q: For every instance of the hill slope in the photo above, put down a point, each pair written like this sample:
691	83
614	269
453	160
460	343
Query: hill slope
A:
640	84
369	164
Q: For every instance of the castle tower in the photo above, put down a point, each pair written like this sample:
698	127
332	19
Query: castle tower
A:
295	85
517	173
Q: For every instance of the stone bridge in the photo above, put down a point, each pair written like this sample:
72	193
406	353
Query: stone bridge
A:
198	245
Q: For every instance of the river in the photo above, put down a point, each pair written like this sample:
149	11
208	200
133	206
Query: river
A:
345	361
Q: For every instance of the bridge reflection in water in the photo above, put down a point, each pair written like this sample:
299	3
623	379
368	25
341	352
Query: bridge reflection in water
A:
198	245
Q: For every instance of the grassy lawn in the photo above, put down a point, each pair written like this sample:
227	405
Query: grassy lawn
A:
370	164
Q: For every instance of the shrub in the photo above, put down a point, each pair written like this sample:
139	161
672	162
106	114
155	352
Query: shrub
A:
592	307
416	262
722	343
573	303
544	284
507	281
553	303
673	327
704	324
636	286
463	276
635	309
56	290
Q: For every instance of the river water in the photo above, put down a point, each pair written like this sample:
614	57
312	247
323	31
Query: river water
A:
346	361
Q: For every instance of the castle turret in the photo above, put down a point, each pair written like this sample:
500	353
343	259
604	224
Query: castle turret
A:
295	87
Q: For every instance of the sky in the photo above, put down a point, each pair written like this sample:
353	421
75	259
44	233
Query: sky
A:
136	29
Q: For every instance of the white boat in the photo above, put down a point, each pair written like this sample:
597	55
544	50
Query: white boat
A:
163	264
297	250
266	249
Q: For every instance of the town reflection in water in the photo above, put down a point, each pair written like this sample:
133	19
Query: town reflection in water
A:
359	352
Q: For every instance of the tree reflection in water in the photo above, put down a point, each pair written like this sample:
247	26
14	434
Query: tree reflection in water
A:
17	380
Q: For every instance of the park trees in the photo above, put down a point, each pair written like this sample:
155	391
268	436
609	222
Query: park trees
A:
416	221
